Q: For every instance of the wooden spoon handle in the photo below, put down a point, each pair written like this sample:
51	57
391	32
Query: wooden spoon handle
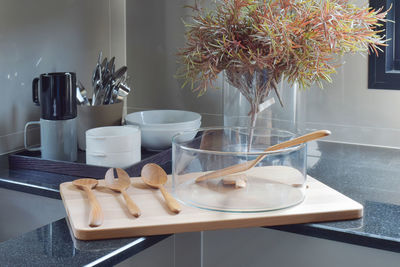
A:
132	207
173	205
293	142
241	167
96	214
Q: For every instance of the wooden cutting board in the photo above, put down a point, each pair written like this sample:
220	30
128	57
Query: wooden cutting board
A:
322	203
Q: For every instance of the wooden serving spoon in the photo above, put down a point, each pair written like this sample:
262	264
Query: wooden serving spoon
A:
120	185
241	167
154	176
96	214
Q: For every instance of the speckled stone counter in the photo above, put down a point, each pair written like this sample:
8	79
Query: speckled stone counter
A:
369	175
53	245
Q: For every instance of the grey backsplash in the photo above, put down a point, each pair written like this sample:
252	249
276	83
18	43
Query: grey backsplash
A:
55	35
353	113
46	36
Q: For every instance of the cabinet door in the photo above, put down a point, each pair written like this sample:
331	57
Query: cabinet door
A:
28	212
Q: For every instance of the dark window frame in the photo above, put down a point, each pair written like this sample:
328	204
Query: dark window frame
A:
384	68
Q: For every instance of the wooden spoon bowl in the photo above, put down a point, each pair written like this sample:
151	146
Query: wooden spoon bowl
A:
117	185
120	185
85	183
154	176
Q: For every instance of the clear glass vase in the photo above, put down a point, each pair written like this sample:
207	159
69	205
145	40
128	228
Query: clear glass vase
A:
289	116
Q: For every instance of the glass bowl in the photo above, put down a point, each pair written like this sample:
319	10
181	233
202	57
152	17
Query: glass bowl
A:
276	182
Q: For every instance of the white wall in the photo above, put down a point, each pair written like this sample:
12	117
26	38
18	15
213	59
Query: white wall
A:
46	36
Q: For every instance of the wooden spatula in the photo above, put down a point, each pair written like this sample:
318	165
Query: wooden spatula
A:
250	164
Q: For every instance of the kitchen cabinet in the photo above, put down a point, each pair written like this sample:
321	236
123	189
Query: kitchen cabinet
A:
23	212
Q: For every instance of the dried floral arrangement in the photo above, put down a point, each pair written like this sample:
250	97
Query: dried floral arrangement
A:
267	40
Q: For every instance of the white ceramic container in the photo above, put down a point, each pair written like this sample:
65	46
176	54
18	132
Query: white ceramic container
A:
113	139
113	146
114	160
158	127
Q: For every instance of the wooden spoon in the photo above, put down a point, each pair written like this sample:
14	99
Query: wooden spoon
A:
120	185
154	176
95	215
241	167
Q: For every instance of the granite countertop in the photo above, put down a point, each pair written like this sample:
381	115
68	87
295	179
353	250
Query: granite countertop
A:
369	175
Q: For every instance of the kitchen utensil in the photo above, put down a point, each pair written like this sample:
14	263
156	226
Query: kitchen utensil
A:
159	126
97	78
81	94
97	84
120	72
100	84
250	164
96	214
124	89
104	65
95	71
106	82
120	185
105	91
111	65
322	204
110	73
154	176
110	81
121	90
113	83
79	97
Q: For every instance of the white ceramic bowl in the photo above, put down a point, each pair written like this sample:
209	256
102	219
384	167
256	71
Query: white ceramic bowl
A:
113	139
159	126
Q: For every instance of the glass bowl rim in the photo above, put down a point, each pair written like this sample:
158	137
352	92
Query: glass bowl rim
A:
254	153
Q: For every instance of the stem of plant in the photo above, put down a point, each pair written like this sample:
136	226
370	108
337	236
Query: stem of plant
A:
253	119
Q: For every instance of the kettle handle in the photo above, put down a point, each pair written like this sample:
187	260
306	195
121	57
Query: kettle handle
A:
35	90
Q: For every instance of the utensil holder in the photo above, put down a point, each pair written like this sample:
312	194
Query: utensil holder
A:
97	116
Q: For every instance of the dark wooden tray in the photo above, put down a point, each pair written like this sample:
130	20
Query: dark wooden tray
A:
32	161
